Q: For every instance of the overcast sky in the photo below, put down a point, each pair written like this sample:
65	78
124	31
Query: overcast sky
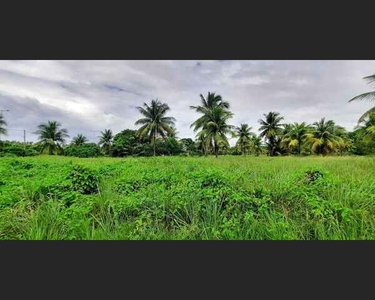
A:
89	96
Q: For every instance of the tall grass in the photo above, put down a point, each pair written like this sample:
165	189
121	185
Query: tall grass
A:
205	198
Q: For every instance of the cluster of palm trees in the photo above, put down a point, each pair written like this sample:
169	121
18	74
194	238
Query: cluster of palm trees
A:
52	138
212	130
323	137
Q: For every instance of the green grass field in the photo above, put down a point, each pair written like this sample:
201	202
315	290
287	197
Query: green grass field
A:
231	197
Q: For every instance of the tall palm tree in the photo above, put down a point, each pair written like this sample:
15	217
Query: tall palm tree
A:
366	96
295	136
216	129
51	136
324	138
271	130
106	140
243	132
79	140
154	123
256	145
367	129
211	101
3	123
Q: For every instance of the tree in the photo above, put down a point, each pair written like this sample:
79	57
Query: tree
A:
207	104
79	140
215	113
344	144
105	141
3	123
173	132
295	136
154	123
366	96
51	136
243	132
215	130
271	130
323	139
188	145
363	136
256	145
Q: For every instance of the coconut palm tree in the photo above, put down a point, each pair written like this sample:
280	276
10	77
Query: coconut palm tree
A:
216	128
201	143
51	136
106	139
79	140
366	96
211	101
243	132
295	136
271	130
367	129
173	133
256	145
154	123
3	123
324	139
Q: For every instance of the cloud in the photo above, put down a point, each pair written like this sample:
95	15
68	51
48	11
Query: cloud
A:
89	96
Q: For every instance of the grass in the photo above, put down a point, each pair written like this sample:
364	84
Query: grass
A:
232	197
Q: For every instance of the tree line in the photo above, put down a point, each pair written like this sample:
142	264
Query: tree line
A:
157	135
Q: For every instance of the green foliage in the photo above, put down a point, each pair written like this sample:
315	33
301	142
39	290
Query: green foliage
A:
155	123
52	137
10	149
261	198
83	151
84	180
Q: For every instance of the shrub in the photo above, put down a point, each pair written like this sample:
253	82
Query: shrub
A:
83	151
84	180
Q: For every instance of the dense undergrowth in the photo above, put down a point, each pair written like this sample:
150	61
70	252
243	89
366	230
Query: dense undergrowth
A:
230	197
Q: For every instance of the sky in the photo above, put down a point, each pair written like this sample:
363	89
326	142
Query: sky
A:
90	96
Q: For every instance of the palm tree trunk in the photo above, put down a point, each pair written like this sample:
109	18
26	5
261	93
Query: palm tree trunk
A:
154	144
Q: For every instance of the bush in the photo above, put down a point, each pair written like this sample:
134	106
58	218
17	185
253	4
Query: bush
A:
83	151
17	150
84	180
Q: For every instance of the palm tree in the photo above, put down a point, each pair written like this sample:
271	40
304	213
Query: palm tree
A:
212	100
366	96
3	130
271	129
154	123
244	134
51	136
173	133
79	140
295	136
106	140
256	145
216	128
201	143
367	129
324	138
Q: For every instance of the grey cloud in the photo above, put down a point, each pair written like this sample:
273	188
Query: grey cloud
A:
93	95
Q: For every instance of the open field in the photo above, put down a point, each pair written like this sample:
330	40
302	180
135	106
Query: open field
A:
232	197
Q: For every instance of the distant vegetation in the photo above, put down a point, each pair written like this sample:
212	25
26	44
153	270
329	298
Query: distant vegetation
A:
157	135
